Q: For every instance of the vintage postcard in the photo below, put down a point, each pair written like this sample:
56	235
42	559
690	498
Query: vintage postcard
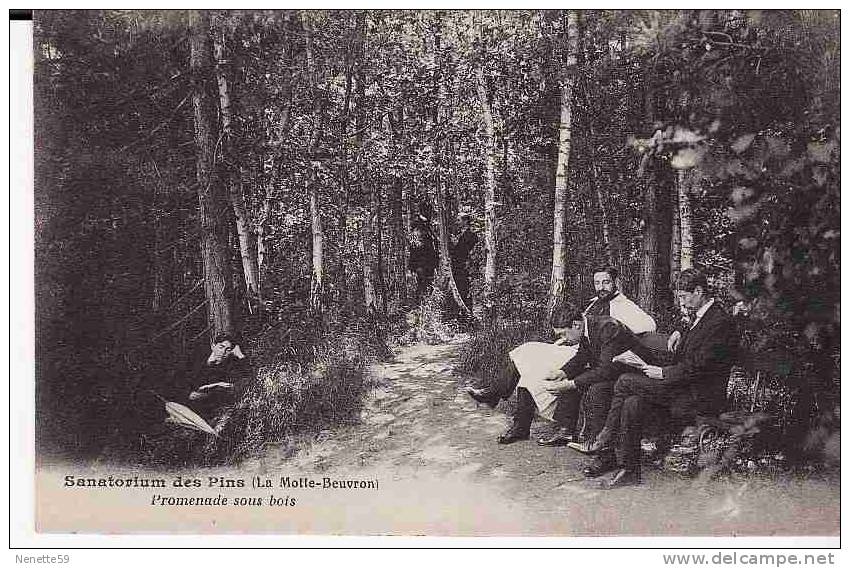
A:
450	273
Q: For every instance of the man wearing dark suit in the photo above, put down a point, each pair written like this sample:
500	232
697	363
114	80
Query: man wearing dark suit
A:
594	394
590	377
591	370
694	384
609	301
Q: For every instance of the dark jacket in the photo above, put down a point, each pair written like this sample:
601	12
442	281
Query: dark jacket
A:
607	338
702	363
197	372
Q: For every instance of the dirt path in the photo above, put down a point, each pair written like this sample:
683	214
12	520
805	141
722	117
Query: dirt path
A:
434	452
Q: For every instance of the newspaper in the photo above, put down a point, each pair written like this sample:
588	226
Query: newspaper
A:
536	361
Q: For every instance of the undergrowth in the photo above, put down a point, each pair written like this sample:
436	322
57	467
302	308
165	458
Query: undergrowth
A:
485	355
289	397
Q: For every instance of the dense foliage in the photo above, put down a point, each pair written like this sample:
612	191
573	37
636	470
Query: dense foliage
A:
324	157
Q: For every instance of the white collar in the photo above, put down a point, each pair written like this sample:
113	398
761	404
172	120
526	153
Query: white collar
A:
701	312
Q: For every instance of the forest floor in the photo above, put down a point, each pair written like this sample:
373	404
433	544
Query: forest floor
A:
434	451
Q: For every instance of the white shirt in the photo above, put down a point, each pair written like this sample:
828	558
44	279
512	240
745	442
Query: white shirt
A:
629	313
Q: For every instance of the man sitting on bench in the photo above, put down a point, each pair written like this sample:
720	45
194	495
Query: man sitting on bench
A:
553	378
695	384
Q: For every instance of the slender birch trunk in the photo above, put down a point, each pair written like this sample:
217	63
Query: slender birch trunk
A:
557	291
490	241
317	281
247	240
687	240
676	232
399	215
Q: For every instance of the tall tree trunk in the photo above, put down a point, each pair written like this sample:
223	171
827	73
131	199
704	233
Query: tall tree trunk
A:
247	245
317	281
265	214
444	280
610	239
344	174
371	235
490	241
369	296
399	217
676	231
557	290
211	195
247	239
651	230
409	282
649	251
376	218
686	180
611	249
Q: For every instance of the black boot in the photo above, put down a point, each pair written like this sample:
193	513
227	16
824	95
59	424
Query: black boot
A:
486	396
560	437
601	464
520	429
603	442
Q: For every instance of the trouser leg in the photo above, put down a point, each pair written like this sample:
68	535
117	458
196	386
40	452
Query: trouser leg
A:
631	429
506	380
567	410
596	404
612	419
524	412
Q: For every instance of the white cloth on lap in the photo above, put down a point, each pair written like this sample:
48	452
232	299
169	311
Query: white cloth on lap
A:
535	361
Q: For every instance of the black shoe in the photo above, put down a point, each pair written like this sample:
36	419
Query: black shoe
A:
600	465
582	447
623	478
560	437
600	444
484	396
514	434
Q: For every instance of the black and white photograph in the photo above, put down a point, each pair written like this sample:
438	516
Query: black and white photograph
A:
443	273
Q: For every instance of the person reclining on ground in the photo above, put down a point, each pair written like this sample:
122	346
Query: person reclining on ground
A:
219	379
695	384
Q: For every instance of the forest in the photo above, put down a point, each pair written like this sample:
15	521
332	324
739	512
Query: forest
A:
327	185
